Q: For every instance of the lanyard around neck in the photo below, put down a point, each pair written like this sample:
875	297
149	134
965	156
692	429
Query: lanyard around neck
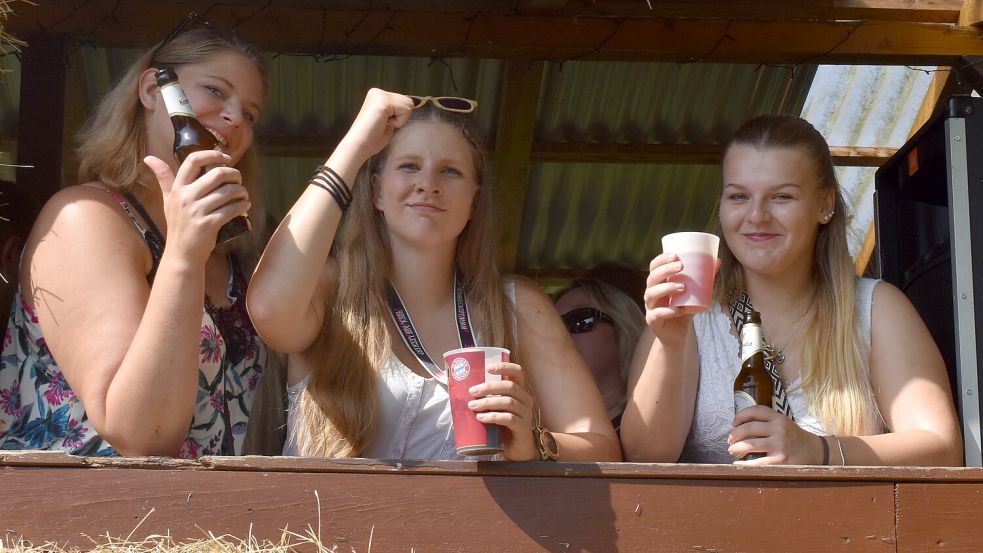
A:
740	312
401	317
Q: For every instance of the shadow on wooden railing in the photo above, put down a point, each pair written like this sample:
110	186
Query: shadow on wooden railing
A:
466	506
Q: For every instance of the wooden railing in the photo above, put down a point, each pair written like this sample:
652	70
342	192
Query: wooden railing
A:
514	507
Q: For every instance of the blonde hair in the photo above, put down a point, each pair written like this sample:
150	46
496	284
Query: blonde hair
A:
339	408
834	376
113	142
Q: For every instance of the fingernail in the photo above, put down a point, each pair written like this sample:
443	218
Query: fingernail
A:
473	390
481	416
680	287
472	404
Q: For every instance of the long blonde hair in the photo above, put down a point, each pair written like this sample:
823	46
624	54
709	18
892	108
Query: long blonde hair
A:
834	375
113	142
339	407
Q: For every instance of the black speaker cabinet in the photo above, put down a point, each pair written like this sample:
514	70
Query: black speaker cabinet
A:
929	220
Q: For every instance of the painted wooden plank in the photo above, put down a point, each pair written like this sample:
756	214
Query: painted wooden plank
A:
404	512
940	517
654	471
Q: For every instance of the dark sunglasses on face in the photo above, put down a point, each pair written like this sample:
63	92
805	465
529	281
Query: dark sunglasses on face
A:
447	103
582	319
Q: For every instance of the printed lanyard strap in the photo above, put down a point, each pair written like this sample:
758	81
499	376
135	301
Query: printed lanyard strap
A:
740	311
401	317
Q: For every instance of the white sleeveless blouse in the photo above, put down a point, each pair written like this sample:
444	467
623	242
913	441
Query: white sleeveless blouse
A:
414	412
720	361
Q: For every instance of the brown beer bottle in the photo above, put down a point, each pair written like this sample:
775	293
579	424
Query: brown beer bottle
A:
753	385
190	136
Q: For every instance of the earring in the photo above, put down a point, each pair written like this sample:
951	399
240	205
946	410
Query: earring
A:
827	217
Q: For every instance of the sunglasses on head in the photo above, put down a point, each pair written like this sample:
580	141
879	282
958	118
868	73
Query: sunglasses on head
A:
188	20
583	319
447	103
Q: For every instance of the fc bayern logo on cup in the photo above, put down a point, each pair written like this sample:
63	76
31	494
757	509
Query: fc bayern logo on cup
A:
460	369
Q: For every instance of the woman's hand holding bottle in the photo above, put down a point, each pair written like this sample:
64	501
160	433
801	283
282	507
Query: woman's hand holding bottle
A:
197	204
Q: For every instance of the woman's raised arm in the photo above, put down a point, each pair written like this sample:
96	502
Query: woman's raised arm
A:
288	291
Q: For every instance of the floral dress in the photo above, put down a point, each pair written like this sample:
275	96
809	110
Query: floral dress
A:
38	410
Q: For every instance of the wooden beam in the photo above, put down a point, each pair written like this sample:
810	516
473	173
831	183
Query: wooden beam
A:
42	109
925	11
77	109
590	152
278	27
971	13
686	154
513	144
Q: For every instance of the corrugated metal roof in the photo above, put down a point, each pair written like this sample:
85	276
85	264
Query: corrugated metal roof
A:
864	105
310	98
576	214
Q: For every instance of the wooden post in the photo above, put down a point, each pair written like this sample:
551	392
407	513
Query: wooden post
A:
971	13
513	147
42	113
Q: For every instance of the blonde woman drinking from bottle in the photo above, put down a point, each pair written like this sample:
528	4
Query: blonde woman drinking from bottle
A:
130	335
417	234
857	377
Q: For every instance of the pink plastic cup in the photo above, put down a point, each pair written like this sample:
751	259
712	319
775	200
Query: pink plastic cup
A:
466	367
698	253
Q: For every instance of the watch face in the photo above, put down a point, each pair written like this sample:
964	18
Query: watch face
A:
548	445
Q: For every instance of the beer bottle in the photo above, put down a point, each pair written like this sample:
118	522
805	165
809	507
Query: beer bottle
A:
190	136
753	385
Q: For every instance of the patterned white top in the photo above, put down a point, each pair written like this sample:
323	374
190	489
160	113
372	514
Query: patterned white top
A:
414	412
720	361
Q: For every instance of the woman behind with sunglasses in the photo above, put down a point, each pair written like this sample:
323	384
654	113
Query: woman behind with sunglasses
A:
857	377
131	335
420	221
603	314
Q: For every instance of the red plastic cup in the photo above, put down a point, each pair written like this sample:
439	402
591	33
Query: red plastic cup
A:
466	367
698	253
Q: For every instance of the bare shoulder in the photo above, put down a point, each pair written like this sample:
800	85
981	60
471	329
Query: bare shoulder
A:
81	209
82	224
896	327
889	302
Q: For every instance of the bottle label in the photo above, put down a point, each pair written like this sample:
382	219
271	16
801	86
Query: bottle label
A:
742	400
751	341
175	100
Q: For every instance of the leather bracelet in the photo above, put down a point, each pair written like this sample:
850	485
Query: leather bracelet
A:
346	191
334	194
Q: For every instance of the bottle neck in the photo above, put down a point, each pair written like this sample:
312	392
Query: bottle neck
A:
175	100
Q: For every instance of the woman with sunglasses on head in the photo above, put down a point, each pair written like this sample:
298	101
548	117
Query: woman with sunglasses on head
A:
419	223
603	313
131	335
858	379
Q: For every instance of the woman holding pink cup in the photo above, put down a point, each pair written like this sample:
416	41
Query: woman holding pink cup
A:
856	376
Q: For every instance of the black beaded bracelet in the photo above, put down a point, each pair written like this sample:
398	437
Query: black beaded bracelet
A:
334	194
345	189
324	180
